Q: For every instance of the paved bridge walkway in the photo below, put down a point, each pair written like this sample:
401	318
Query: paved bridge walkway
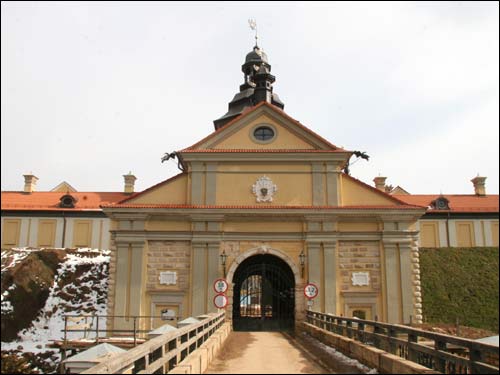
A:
272	353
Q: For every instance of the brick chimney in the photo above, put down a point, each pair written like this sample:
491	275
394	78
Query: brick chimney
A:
479	188
129	182
380	183
29	183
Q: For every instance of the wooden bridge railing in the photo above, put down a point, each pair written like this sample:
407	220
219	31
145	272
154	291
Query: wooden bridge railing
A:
444	353
163	353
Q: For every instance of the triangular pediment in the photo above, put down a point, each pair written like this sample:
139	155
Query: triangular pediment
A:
64	187
239	134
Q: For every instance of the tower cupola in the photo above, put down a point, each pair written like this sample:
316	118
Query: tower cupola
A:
257	86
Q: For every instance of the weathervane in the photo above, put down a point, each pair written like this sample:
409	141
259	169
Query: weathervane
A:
253	25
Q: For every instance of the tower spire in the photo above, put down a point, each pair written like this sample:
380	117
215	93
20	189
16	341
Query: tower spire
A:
257	85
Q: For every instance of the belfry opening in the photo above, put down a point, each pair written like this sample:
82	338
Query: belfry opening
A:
263	295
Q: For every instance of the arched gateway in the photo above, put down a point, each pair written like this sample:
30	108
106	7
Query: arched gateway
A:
263	294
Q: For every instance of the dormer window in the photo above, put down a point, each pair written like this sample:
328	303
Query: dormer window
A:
440	203
67	201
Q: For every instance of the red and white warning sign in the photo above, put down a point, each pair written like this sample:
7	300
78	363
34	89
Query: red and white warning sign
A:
220	285
311	291
220	301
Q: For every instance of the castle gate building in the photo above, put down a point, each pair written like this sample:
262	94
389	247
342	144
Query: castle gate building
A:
264	203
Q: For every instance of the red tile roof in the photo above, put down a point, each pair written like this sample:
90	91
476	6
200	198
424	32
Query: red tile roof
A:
251	109
49	200
457	203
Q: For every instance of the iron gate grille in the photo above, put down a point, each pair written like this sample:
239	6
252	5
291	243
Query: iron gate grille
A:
264	295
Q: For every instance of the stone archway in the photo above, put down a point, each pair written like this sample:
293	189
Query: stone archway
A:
299	309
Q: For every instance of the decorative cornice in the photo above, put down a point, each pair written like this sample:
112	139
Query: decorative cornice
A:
290	156
404	213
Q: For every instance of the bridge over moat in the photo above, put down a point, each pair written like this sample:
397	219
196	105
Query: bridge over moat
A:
210	346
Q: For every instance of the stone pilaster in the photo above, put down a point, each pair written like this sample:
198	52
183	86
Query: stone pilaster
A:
417	291
330	264
197	183
129	287
318	186
137	286
211	183
406	266
111	283
392	282
213	274
198	277
121	283
332	185
314	268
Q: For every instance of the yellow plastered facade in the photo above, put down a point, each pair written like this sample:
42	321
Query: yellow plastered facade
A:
263	226
358	227
242	138
354	193
236	189
172	192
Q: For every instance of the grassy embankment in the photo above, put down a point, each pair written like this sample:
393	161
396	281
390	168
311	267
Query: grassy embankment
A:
460	283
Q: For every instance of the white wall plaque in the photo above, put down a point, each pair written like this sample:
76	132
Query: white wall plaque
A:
360	278
167	314
264	189
168	278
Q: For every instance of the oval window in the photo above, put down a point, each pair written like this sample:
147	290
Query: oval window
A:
263	133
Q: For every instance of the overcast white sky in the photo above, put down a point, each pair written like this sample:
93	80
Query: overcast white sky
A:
91	91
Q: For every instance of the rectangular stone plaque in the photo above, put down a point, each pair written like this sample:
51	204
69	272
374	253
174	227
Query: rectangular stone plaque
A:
168	278
360	278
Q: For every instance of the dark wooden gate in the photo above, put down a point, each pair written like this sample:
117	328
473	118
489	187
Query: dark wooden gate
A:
264	295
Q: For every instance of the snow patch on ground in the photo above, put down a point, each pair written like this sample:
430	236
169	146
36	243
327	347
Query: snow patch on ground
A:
13	256
341	357
65	299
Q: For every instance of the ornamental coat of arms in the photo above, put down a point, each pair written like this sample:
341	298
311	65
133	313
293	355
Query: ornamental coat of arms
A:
264	189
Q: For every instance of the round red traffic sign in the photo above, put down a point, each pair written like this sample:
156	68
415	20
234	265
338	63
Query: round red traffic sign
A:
220	301
220	285
311	291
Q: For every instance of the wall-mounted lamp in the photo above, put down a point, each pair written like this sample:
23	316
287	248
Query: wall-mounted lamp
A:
223	258
302	261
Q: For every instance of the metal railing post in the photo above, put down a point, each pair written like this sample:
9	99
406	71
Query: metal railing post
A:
135	331
412	354
439	362
97	330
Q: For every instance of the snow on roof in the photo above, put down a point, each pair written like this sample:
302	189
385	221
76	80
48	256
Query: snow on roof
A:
163	329
94	353
187	321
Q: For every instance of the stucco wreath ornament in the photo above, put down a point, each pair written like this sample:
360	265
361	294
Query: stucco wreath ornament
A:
264	189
